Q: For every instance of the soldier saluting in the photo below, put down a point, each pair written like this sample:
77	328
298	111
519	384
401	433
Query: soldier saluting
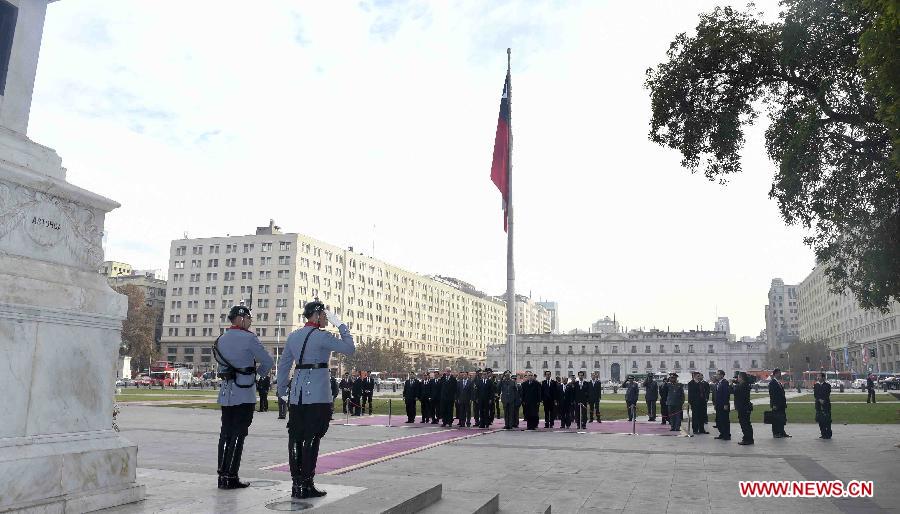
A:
240	356
310	395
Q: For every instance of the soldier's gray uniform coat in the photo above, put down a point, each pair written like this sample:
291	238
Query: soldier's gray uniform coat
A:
240	348
314	383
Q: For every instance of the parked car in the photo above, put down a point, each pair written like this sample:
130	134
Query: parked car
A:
859	383
892	382
120	383
390	381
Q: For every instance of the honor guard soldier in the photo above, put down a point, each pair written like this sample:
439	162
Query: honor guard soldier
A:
240	356
310	395
262	387
822	394
345	385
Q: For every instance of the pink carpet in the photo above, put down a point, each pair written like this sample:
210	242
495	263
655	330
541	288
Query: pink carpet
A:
346	460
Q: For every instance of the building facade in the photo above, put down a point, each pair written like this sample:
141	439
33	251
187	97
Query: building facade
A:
532	317
851	332
615	355
782	314
277	273
606	326
553	309
115	268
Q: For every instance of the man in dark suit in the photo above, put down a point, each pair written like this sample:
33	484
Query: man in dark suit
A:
476	406
722	402
744	407
870	388
531	401
448	397
356	392
582	395
262	387
698	404
368	386
484	391
568	402
596	394
548	394
778	403
412	390
334	392
651	393
704	393
464	387
663	403
345	386
822	394
436	390
427	393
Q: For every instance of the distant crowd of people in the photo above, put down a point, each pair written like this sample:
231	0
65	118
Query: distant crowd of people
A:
482	396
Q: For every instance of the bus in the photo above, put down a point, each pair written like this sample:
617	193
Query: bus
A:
835	378
162	373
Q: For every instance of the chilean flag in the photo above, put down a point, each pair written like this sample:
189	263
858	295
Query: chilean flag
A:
500	165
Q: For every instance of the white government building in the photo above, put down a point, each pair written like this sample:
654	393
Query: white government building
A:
848	329
277	273
617	354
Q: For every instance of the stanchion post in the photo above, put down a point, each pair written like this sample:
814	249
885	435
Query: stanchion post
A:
390	408
634	419
689	423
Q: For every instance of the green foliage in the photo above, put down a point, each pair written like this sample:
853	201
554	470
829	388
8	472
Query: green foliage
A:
376	355
795	356
827	101
138	328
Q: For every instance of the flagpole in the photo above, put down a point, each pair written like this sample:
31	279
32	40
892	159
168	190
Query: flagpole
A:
510	270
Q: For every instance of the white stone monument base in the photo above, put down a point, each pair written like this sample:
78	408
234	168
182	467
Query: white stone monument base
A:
65	473
60	332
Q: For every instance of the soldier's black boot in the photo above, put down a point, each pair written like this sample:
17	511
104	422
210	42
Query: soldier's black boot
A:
223	444
310	491
296	468
233	460
310	454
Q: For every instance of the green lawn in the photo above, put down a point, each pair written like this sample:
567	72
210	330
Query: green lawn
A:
840	414
855	397
158	398
168	391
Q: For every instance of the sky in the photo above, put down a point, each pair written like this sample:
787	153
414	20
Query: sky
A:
372	124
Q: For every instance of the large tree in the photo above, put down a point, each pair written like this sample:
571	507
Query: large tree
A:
138	328
826	73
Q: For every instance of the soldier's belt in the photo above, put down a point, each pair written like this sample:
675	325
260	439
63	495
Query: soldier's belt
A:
318	365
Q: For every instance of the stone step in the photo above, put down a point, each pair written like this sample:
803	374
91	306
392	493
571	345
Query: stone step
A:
457	502
386	500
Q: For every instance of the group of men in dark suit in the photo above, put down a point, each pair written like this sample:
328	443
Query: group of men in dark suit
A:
356	392
576	400
453	395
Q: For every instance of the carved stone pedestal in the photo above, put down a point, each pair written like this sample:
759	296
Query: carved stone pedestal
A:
60	329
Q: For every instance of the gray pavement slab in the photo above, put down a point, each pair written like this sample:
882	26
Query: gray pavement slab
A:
570	472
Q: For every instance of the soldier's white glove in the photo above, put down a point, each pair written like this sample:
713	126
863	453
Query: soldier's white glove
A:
333	318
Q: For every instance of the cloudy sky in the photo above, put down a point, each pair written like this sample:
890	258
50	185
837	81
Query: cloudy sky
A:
373	122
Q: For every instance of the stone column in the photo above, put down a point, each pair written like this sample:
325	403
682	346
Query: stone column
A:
60	323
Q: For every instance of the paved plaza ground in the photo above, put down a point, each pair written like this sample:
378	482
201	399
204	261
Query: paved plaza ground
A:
367	467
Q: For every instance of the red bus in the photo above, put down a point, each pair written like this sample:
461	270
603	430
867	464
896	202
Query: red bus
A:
162	374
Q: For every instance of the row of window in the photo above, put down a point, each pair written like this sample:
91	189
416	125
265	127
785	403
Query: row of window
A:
284	246
634	365
615	349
